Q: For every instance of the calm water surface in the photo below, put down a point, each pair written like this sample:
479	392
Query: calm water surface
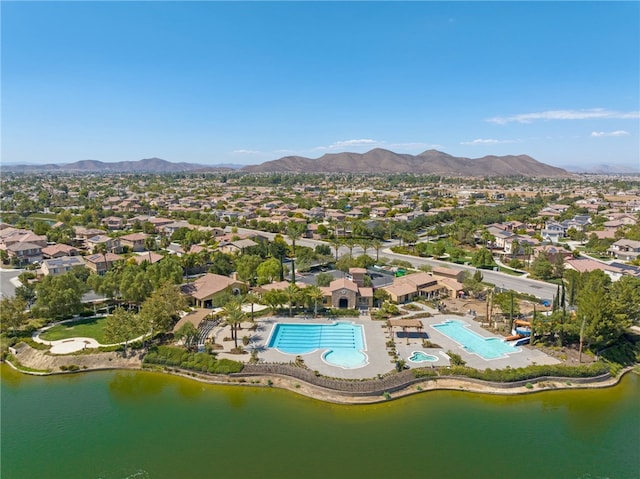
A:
147	425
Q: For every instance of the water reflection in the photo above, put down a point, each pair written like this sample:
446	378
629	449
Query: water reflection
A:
134	386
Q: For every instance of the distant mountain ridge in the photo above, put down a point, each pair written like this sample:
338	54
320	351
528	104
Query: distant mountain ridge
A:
376	161
605	169
435	162
147	165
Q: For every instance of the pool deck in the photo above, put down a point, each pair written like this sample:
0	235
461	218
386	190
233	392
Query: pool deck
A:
379	360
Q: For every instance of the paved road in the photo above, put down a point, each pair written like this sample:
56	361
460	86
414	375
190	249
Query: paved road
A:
506	281
9	281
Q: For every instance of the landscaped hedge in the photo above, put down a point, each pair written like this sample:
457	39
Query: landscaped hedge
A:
353	313
424	372
181	358
530	372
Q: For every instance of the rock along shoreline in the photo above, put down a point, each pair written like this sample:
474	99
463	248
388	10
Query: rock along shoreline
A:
35	362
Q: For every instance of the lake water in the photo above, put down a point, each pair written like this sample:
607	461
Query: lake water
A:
148	425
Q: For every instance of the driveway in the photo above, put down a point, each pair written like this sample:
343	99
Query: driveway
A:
9	281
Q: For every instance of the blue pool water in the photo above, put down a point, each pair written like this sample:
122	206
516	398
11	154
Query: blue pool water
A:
344	342
486	348
419	357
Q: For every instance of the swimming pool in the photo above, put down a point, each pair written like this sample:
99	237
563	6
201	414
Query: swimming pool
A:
420	357
486	348
344	342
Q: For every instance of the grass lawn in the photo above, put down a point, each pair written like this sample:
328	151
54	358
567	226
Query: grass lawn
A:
509	271
84	328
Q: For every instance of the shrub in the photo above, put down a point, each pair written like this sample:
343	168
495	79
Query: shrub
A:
344	312
424	372
532	372
201	362
456	359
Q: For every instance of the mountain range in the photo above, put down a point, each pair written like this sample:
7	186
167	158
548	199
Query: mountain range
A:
147	165
376	161
429	162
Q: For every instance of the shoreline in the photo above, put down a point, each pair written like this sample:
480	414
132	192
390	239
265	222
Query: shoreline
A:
105	361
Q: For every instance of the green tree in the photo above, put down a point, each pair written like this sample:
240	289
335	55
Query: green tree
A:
602	327
295	231
122	326
292	293
59	296
314	295
268	271
324	279
246	267
542	267
234	316
274	298
188	333
13	314
483	258
252	299
162	309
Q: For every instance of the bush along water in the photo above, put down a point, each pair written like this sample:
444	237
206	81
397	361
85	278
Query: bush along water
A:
202	362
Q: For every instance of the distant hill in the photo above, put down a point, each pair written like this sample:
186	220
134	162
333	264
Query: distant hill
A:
378	161
605	169
148	165
429	162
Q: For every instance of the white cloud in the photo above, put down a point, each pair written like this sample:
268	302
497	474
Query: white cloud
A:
353	143
417	145
594	113
609	133
246	152
487	141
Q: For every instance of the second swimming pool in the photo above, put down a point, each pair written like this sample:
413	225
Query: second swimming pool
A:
486	348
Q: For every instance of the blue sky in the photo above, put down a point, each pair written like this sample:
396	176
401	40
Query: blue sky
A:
246	82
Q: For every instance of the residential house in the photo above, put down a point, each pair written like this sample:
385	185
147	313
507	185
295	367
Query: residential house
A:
59	251
553	231
101	263
111	244
237	246
134	241
625	249
204	291
24	253
148	256
61	265
113	223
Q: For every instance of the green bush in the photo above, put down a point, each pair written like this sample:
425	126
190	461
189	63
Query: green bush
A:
424	372
456	359
344	312
532	372
202	362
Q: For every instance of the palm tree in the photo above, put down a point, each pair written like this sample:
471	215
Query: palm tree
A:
365	244
350	244
336	243
292	293
528	250
252	299
315	294
377	245
235	316
294	232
